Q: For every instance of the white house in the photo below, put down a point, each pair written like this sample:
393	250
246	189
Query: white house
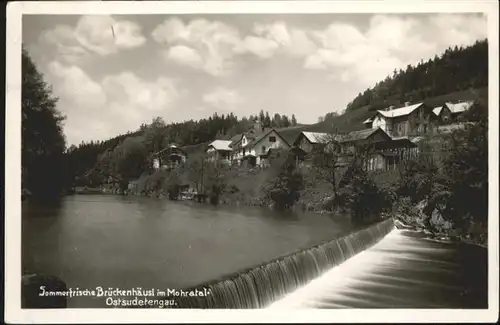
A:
450	112
220	150
255	148
402	121
458	109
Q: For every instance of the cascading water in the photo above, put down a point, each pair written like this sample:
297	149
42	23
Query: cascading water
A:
403	270
260	286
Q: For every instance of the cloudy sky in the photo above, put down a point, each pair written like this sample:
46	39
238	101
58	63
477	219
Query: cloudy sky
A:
113	73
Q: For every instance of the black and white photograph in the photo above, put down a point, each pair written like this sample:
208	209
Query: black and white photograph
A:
163	159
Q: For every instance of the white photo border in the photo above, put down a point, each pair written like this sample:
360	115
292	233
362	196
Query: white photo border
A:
13	311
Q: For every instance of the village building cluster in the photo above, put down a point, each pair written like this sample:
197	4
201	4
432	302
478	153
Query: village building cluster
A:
391	134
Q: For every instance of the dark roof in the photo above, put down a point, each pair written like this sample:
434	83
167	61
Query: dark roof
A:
236	137
172	148
257	137
359	135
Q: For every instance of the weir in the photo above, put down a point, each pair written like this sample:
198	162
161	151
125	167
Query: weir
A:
260	286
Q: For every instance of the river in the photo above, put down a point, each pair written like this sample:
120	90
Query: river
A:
125	242
128	242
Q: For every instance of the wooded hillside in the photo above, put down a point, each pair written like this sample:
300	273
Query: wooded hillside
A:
457	69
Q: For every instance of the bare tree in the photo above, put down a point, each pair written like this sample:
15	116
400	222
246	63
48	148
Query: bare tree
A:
329	158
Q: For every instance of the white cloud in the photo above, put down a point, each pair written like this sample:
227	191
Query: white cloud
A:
185	55
102	35
390	42
320	60
223	98
291	41
105	35
276	31
458	29
114	105
212	43
169	31
301	43
339	36
62	39
77	87
141	95
217	44
261	47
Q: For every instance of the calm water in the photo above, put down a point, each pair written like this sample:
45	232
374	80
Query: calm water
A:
114	241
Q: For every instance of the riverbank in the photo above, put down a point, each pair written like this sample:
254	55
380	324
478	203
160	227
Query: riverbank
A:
87	190
436	234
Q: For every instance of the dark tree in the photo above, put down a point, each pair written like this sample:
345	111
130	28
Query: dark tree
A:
285	189
267	120
43	142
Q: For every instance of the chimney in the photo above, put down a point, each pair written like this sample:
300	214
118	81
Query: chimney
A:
390	108
257	126
407	103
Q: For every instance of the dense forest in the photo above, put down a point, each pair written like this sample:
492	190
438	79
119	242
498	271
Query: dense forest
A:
456	69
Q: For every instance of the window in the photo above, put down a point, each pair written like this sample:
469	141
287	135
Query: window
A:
272	139
263	149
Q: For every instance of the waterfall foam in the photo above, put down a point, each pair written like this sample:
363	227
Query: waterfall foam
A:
261	286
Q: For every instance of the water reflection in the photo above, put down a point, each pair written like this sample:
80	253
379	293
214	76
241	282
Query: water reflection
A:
99	240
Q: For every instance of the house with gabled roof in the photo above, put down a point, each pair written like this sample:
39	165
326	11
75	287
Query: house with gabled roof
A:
457	109
254	147
460	107
363	137
169	158
442	113
408	120
451	112
385	152
309	141
220	151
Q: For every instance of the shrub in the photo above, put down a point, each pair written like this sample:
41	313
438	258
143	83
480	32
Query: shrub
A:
173	191
215	183
285	189
417	178
361	196
172	185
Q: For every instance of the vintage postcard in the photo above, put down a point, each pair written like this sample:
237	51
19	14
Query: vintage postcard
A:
251	161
